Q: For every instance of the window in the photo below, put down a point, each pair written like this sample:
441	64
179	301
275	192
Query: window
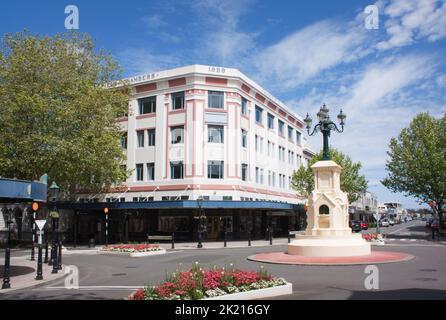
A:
244	106
215	169
281	127
227	198
147	105
281	153
151	137
215	134
139	172
257	175
176	170
140	138
150	171
323	209
298	138
244	172
270	121
271	148
259	114
215	99
177	100
290	133
124	140
177	135
257	143
244	138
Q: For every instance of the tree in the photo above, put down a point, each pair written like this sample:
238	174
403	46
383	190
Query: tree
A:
57	115
417	163
352	182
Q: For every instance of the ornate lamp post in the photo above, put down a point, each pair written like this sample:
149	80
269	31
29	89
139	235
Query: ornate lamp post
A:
54	191
201	217
6	284
325	126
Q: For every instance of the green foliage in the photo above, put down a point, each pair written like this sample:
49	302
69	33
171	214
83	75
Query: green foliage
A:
57	116
417	160
351	181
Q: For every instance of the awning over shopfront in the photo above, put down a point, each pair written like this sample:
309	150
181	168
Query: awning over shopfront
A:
12	191
183	204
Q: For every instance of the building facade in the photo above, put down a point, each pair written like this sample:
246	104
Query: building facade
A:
364	208
204	132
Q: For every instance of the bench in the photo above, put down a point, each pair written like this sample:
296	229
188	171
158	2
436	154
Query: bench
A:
170	238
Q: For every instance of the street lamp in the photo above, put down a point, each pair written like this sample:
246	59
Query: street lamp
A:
325	125
54	193
201	217
6	284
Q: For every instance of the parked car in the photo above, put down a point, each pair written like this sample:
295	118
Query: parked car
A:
384	223
355	225
391	222
364	225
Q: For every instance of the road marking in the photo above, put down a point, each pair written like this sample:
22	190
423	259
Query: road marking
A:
98	288
398	230
413	239
403	239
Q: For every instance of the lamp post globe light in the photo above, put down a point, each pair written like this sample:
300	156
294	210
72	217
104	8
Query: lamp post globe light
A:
325	125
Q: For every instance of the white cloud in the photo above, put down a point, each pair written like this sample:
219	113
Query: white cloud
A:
412	20
154	21
138	61
308	52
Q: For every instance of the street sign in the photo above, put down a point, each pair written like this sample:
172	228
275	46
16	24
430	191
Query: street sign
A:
377	216
40	224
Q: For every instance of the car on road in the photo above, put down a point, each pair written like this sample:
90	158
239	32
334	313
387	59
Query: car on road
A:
364	225
391	222
384	223
355	225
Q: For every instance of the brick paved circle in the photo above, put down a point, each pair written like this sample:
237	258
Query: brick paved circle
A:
376	257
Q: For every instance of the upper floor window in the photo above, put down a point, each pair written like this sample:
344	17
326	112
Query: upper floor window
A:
124	140
177	135
140	138
281	127
244	138
215	99
150	171
176	170
151	137
147	105
290	133
215	169
139	172
178	100
244	106
270	121
244	172
215	134
259	114
298	138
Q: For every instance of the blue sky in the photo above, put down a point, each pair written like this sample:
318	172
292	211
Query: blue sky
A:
303	52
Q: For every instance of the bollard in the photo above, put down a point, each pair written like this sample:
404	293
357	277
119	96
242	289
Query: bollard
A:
59	258
54	257
249	238
289	236
226	239
39	263
270	237
173	240
46	253
6	284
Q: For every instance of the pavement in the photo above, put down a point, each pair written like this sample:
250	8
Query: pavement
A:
115	277
23	272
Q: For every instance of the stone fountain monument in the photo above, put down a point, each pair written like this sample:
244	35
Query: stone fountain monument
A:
328	233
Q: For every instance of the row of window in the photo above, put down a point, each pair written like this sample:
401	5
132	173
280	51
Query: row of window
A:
281	126
169	198
148	105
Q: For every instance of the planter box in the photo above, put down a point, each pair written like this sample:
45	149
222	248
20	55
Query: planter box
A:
136	254
257	294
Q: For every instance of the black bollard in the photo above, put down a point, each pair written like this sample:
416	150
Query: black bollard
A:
39	263
289	236
173	240
46	253
270	237
54	257
249	238
226	239
6	284
59	257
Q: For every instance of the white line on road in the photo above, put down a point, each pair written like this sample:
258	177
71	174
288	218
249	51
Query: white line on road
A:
97	288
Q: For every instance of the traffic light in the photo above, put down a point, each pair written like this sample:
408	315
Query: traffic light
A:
106	210
35	206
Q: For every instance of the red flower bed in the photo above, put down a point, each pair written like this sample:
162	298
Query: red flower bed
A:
132	247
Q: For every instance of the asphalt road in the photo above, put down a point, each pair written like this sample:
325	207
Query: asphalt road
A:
103	276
